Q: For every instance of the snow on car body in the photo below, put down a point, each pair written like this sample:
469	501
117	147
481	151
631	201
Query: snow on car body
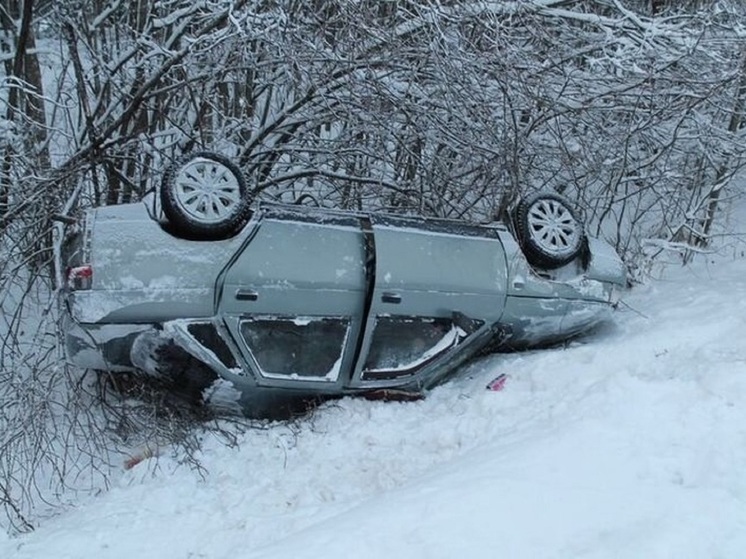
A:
301	303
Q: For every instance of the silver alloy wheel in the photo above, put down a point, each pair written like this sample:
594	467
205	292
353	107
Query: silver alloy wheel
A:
553	227
207	190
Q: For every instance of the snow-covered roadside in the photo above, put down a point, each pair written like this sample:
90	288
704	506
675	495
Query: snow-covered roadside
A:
630	444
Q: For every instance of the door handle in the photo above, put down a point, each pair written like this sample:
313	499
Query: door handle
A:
390	297
246	295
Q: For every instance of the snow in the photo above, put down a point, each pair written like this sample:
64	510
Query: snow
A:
628	444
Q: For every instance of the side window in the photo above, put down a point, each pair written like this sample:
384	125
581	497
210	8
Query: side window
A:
401	345
304	348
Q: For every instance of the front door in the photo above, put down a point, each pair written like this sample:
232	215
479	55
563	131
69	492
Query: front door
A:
436	284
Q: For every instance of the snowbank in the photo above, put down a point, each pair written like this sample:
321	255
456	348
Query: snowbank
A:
628	444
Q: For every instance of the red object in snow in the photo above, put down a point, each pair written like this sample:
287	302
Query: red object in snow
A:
80	277
498	383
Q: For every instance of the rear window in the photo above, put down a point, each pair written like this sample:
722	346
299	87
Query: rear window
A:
307	348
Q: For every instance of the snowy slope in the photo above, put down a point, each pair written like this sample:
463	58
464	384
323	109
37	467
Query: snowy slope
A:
631	444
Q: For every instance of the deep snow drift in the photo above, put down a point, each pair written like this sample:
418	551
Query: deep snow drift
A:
627	444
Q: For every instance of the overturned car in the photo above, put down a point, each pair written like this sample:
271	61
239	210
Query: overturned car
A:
265	306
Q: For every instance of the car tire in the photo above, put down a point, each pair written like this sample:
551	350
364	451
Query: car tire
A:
548	230
204	197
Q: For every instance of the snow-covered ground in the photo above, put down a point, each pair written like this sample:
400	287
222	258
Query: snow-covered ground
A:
629	444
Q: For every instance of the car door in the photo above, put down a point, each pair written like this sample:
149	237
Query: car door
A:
437	284
293	298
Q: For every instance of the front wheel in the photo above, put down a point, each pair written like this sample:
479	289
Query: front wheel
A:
204	196
550	233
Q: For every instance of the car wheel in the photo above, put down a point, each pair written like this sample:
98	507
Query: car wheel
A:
204	196
549	231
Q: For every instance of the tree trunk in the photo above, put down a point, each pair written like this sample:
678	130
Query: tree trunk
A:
734	125
25	108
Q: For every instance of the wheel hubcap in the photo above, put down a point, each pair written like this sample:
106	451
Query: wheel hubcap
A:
553	227
207	190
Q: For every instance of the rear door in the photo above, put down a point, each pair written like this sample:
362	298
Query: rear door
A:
293	298
437	283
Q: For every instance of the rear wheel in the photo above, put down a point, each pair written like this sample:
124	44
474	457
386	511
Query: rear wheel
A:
204	196
548	230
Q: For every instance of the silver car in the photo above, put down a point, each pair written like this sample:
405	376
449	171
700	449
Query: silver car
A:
267	306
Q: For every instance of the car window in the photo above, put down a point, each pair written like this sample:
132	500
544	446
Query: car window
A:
400	345
308	348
